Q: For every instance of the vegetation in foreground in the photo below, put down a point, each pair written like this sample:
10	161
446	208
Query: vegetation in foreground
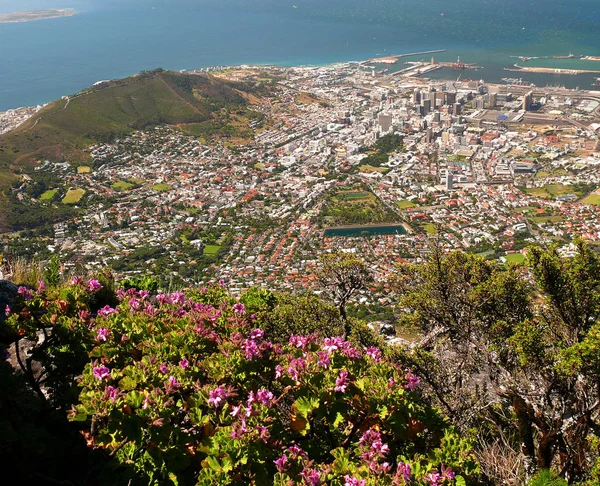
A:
200	387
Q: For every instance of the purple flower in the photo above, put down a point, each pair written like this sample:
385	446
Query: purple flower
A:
5	354
257	333
403	472
106	311
237	410
278	372
164	299
265	397
299	341
163	368
7	311
239	308
178	298
374	354
101	372
412	381
25	293
341	382
76	281
217	396
296	367
150	310
144	294
94	285
103	334
250	348
41	286
351	481
330	345
135	304
311	476
324	359
184	363
112	393
448	473
296	451
434	478
282	464
171	385
221	283
84	315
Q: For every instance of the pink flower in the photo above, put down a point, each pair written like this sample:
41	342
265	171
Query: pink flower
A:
265	397
102	334
341	383
217	396
7	311
237	410
257	333
94	285
163	368
412	381
25	293
84	315
250	349
221	283
311	476
135	304
351	481
164	299
171	385
239	308
330	345
112	393
299	341
144	294
434	478
41	286
278	372
403	472
324	359
178	298
76	281
184	363
448	473
101	372
296	451
282	464
106	311
374	354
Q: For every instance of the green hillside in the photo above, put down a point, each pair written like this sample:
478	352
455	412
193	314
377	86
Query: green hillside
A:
65	127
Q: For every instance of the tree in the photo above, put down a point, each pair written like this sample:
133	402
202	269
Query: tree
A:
342	274
515	360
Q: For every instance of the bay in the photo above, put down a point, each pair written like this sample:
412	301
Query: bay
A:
44	60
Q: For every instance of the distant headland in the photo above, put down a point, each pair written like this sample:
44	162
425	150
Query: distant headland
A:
35	15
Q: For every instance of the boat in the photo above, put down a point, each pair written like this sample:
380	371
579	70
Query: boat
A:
518	81
597	82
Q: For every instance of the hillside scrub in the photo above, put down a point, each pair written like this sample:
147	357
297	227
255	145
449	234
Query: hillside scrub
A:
187	388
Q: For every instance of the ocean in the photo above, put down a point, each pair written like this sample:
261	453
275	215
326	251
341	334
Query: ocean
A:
43	60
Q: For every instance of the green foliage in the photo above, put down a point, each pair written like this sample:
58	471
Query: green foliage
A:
547	478
52	273
144	282
188	390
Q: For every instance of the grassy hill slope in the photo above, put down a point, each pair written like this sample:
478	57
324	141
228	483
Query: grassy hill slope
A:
65	128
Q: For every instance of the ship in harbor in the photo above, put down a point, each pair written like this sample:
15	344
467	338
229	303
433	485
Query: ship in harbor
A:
596	82
517	81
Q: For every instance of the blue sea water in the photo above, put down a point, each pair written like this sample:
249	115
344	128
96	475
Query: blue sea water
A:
43	60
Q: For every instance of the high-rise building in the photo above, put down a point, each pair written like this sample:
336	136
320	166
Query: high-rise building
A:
527	100
449	181
427	106
493	100
432	98
417	96
456	109
429	135
450	97
385	122
436	116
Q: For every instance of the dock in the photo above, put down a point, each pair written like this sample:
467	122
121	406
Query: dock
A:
543	70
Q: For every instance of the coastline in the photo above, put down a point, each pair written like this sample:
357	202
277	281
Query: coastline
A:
33	15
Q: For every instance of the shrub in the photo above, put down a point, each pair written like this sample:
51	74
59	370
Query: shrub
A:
188	389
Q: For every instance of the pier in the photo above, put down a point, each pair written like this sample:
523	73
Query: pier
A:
544	70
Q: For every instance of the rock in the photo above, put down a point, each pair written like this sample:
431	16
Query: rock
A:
387	330
8	296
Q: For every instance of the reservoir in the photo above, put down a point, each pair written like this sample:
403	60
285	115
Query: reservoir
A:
366	230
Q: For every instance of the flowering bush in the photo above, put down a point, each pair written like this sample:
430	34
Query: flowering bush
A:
188	389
